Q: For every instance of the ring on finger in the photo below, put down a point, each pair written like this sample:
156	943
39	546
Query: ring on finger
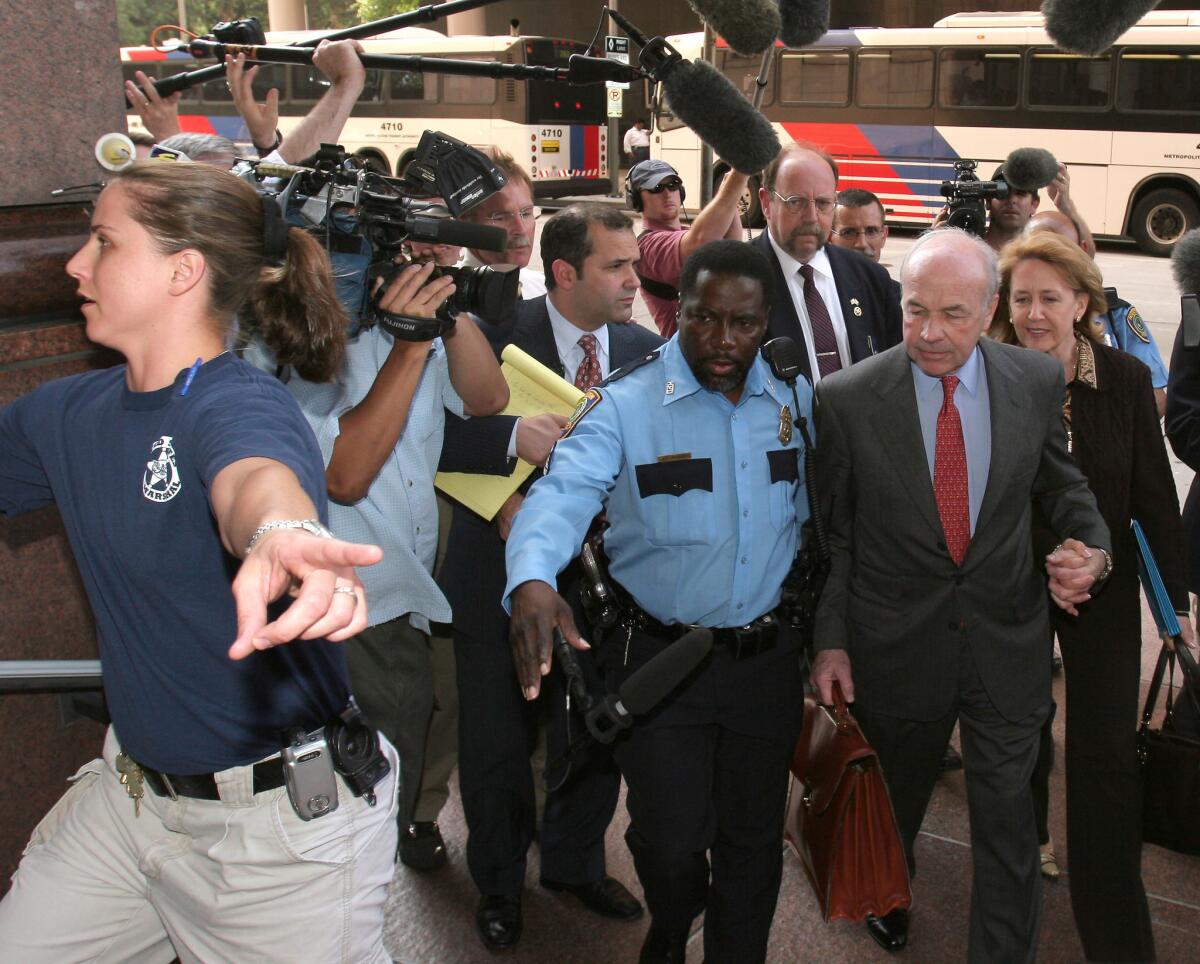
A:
346	590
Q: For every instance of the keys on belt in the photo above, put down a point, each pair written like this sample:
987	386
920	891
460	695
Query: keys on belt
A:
268	775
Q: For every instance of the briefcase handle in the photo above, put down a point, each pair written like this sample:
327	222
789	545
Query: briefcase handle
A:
840	711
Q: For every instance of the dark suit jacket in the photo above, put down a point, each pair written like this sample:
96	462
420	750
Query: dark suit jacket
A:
1183	432
473	572
857	277
895	599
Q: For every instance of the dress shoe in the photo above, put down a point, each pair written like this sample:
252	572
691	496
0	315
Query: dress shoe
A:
498	920
951	761
422	847
663	946
891	930
606	896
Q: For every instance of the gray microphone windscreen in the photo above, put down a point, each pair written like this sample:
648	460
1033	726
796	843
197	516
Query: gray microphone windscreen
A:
704	99
748	26
1092	26
803	22
650	684
1185	262
1030	168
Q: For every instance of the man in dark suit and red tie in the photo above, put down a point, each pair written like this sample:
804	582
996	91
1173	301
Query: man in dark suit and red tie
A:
930	458
837	304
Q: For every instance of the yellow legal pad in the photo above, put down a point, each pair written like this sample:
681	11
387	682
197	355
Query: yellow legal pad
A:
533	389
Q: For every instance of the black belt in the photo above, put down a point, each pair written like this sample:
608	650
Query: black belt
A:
268	775
743	642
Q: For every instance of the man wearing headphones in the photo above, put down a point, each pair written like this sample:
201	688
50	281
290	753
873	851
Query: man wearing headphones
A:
655	190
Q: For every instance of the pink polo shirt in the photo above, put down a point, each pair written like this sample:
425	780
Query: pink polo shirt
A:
661	261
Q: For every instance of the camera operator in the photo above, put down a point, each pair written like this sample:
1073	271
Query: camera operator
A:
379	427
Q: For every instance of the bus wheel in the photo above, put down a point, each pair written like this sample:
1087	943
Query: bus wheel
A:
1160	219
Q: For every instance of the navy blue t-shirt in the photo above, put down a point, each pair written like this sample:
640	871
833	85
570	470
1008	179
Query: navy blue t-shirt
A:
129	472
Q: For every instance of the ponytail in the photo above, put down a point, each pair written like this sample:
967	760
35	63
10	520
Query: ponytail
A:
298	314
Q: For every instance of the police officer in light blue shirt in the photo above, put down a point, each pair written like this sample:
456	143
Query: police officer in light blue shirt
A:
692	455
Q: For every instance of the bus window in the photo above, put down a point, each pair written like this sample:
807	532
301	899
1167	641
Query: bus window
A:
372	87
468	90
979	77
901	77
1058	79
815	77
743	72
268	76
409	85
308	84
1156	79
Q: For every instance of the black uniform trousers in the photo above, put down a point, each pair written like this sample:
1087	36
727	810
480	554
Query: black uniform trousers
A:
497	732
707	773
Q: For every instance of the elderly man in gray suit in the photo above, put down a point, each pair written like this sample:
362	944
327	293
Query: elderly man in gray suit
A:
930	457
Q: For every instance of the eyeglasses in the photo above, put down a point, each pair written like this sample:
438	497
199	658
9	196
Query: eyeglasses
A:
668	184
853	234
503	217
798	202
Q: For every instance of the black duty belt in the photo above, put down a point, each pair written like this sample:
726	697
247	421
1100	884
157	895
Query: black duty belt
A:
743	642
268	775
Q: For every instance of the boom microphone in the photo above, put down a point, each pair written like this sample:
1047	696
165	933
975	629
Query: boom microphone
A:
1030	168
748	26
803	21
648	686
704	99
1185	262
1092	26
583	70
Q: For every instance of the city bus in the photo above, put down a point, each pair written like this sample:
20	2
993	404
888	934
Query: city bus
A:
897	108
556	132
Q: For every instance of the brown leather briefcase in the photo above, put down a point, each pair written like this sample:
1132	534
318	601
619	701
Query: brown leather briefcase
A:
840	820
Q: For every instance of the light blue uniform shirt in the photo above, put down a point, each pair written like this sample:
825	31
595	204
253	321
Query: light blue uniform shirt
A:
1118	334
399	511
704	501
971	400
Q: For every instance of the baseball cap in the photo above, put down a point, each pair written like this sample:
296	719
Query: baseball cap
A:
647	175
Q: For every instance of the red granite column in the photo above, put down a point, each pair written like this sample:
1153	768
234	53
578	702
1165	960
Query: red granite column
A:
60	90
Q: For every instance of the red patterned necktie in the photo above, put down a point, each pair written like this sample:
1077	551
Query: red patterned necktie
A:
950	475
829	360
588	375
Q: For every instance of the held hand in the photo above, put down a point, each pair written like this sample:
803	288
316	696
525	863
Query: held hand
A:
507	514
536	611
537	435
339	61
160	115
413	294
1060	189
943	216
1073	568
311	569
262	120
831	665
1186	633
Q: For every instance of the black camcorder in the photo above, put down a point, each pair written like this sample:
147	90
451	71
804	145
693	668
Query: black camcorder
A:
347	205
967	194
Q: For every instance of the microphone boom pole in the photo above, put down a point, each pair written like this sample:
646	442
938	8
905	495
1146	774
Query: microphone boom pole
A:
413	62
192	78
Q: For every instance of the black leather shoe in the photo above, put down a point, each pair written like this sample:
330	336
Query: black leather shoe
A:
951	761
891	930
663	946
498	920
606	896
422	847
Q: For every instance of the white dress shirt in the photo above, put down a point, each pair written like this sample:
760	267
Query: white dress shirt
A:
823	279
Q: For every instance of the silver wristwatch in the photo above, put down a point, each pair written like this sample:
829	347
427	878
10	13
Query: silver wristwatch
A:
308	525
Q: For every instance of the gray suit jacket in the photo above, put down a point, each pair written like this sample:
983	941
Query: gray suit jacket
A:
895	599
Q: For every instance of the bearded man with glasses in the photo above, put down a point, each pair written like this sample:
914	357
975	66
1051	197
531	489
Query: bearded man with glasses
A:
837	304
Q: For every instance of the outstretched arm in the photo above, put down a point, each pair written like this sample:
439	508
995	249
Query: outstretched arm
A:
338	60
316	571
